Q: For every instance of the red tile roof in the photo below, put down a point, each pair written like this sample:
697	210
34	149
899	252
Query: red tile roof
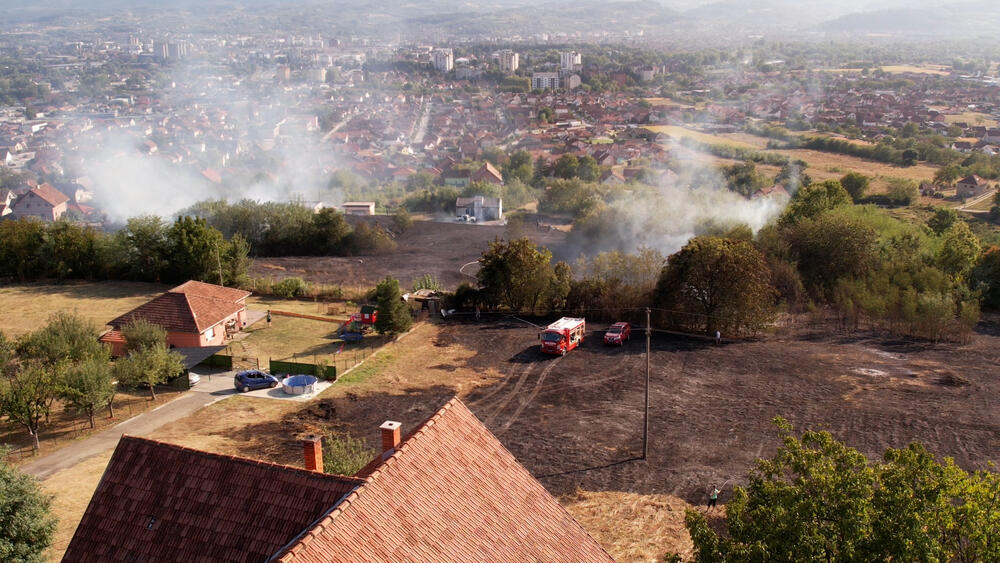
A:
211	290
450	492
164	502
191	307
50	195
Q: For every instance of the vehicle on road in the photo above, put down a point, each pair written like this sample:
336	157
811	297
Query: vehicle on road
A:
618	334
563	335
252	379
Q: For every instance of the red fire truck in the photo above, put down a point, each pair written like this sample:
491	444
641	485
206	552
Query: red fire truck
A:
563	335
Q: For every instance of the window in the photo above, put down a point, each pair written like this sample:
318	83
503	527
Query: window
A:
210	333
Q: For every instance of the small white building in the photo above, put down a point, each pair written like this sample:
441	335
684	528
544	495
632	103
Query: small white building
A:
358	208
482	208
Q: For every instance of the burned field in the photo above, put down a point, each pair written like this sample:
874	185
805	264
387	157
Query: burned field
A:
577	421
428	247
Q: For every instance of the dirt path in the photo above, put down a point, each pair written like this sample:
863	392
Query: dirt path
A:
209	390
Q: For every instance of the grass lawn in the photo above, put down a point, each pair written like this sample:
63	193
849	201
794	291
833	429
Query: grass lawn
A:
304	340
28	307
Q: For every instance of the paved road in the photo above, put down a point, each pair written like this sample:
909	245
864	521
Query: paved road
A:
211	389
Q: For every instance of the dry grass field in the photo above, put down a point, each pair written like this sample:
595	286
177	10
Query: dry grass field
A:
28	307
678	132
939	70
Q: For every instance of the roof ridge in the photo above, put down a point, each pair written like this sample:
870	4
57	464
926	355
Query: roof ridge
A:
346	502
247	460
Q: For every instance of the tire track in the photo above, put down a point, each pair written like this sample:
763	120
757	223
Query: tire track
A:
534	393
513	393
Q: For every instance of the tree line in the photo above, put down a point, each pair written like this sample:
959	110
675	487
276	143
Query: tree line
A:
146	249
924	280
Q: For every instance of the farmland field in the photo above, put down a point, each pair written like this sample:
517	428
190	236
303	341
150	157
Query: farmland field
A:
677	131
28	307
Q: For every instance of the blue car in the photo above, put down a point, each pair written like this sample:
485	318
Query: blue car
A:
252	379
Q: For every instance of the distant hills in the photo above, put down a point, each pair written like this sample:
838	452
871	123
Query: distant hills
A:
719	20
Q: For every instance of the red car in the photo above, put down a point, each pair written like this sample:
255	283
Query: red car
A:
618	334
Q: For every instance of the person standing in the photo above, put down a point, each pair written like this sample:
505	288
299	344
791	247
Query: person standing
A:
268	318
718	338
713	497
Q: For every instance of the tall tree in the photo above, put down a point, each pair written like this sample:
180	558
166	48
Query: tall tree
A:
960	250
812	200
26	396
393	313
514	274
142	248
942	220
26	525
67	337
725	283
566	166
195	251
87	387
587	169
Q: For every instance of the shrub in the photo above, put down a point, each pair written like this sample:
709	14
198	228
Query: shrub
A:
289	288
344	455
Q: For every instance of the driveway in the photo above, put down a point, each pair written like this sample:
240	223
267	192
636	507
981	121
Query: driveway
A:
210	389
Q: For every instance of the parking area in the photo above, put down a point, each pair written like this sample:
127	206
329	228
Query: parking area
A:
220	383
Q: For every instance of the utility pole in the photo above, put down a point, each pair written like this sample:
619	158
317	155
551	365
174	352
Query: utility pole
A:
218	257
645	416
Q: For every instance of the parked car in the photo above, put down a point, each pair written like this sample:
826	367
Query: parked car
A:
251	379
618	334
193	379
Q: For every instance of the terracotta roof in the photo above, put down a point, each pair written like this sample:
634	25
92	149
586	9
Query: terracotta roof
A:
203	289
450	492
50	195
163	502
192	307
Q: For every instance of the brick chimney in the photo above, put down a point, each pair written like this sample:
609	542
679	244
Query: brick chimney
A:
312	448
390	436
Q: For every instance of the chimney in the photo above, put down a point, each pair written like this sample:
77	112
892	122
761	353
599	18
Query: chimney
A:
390	436
312	447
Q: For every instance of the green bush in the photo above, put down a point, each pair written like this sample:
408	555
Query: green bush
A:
344	455
289	288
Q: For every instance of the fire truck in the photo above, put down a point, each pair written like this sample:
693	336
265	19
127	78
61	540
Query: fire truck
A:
563	335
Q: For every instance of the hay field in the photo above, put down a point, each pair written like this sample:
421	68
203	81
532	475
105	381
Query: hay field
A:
28	307
678	132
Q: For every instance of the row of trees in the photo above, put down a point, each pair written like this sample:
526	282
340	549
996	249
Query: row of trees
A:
65	361
290	229
819	500
147	249
910	279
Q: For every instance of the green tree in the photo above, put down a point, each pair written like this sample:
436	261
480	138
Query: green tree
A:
902	191
566	166
140	334
514	274
986	277
960	250
942	220
830	247
546	114
150	366
812	200
402	221
26	396
946	175
194	251
518	167
66	337
26	525
587	169
236	260
142	248
820	500
725	283
393	314
21	242
330	229
856	185
344	455
88	387
909	157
